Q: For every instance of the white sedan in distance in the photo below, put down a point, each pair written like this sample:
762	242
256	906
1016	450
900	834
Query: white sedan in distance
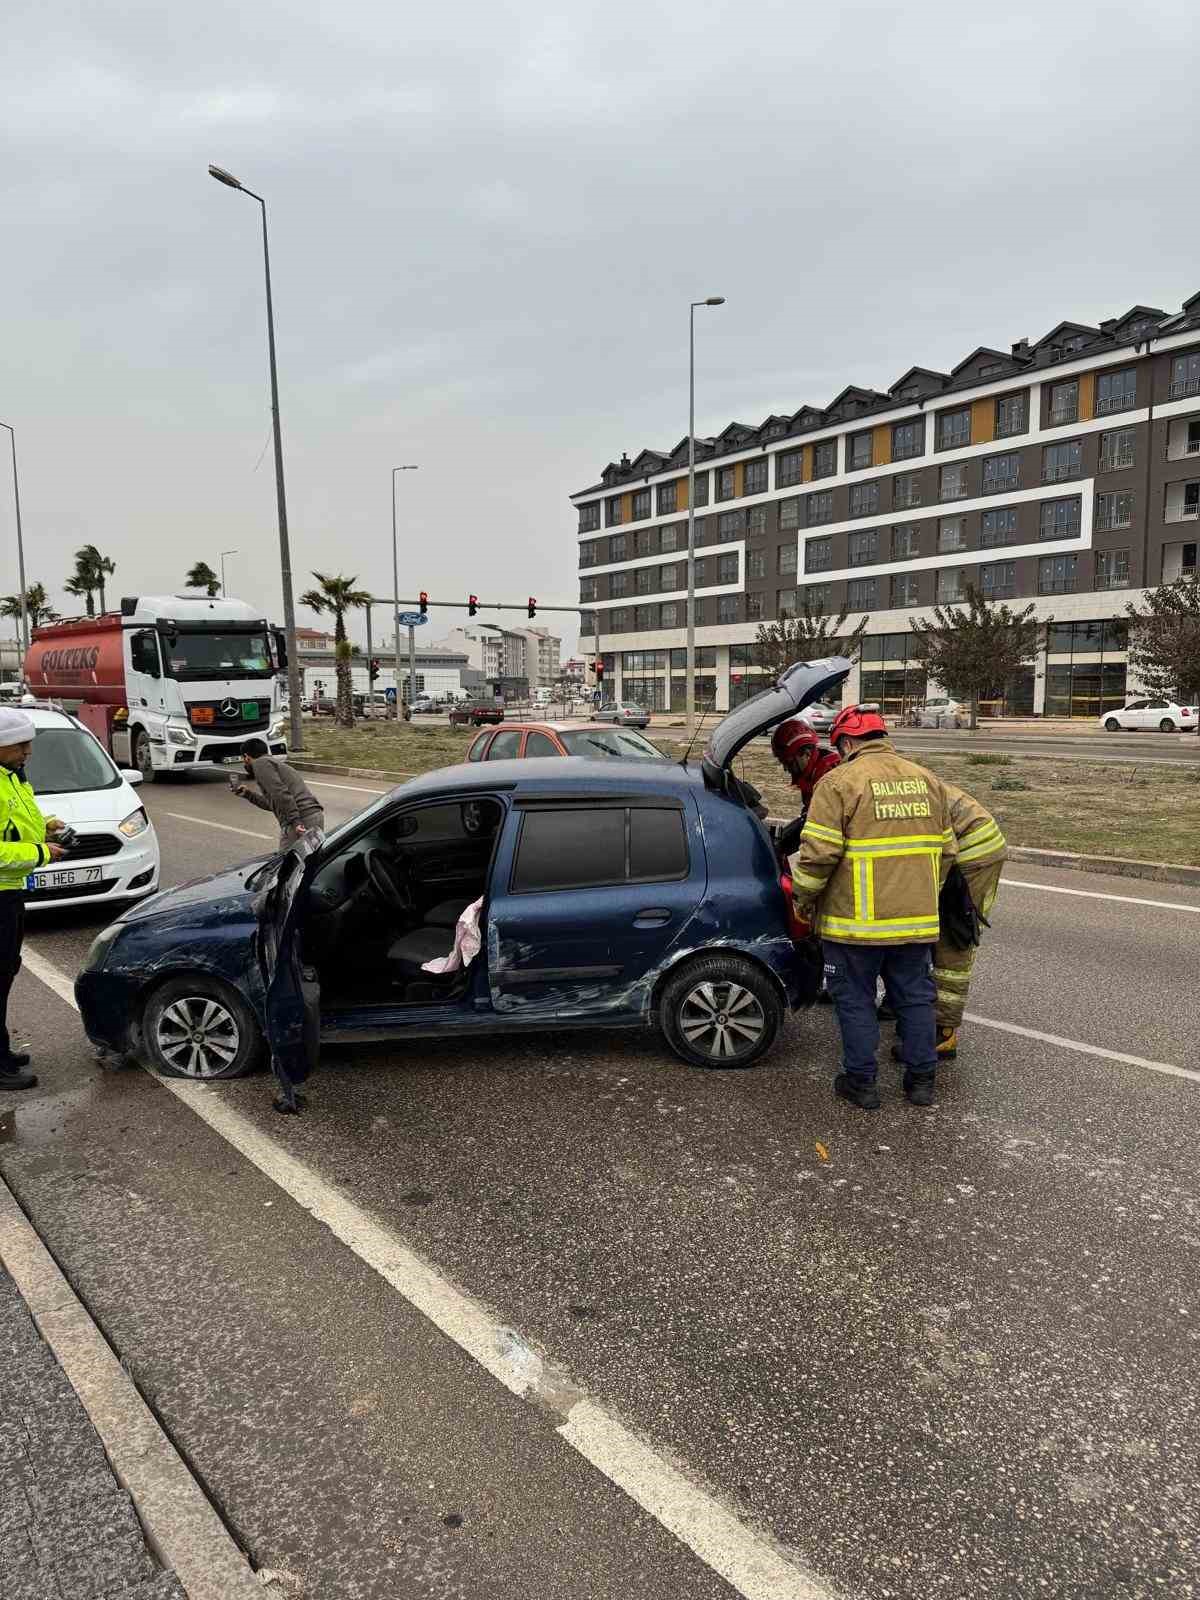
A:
1159	713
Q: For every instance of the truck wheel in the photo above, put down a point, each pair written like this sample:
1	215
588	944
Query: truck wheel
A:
720	1011
142	759
197	1028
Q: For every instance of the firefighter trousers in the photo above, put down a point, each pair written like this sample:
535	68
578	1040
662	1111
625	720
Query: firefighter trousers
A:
952	967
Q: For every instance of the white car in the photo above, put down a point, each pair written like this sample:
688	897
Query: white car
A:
821	716
1159	713
116	856
942	712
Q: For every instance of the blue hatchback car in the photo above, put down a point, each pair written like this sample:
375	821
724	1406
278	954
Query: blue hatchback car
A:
615	893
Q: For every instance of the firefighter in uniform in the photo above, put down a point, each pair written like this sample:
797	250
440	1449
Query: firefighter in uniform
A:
980	857
795	746
875	849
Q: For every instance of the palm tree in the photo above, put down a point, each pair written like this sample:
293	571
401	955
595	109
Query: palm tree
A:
202	576
82	586
91	570
336	596
37	611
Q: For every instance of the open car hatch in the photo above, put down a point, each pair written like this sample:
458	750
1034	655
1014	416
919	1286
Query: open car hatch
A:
799	686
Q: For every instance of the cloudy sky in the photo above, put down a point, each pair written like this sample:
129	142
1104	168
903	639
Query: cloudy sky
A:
487	221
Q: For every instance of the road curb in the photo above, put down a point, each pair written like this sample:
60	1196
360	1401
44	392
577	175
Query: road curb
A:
330	769
180	1525
1114	866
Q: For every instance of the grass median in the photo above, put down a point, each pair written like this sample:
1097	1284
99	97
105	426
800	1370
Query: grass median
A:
1103	807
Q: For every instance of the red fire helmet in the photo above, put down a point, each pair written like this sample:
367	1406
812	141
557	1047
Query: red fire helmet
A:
854	722
794	743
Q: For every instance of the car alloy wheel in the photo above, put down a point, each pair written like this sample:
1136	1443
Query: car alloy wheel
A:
1166	726
197	1037
722	1020
1112	725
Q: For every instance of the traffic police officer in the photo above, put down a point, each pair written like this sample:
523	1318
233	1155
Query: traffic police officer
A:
875	849
23	848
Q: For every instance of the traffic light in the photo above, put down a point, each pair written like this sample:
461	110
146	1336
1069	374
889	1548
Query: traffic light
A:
373	669
424	604
472	604
599	667
532	608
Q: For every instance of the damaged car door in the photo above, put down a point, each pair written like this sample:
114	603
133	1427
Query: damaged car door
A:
293	994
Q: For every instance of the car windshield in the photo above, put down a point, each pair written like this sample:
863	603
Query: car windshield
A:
596	742
218	655
68	761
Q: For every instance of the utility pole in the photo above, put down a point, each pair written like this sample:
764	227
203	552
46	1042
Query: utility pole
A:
713	300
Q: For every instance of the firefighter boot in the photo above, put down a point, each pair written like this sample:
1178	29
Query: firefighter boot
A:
13	1075
947	1043
860	1092
918	1088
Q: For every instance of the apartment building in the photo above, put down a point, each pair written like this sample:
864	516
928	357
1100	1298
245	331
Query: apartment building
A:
519	660
1064	472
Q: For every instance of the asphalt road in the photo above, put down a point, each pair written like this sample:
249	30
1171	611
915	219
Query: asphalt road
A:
949	1353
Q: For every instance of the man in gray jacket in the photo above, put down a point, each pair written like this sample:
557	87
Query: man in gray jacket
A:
281	791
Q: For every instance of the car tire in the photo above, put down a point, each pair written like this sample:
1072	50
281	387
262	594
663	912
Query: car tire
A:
695	999
1166	726
142	758
1111	725
233	1039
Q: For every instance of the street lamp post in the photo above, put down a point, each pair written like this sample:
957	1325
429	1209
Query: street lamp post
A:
12	433
285	554
411	467
225	553
712	300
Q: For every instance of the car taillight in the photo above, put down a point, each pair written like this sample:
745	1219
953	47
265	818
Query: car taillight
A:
797	926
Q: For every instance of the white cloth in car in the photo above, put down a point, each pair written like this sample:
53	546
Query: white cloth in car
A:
467	940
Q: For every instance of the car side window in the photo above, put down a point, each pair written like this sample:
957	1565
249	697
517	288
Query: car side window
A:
505	745
578	847
475	753
540	744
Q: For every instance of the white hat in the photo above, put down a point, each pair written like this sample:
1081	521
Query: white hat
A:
16	727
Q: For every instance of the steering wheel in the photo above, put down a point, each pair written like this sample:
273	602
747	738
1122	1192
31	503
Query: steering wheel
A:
388	884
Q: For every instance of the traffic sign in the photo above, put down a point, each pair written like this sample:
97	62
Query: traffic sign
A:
412	619
390	695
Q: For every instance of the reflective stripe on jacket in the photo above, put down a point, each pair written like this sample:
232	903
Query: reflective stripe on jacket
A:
980	842
875	850
22	832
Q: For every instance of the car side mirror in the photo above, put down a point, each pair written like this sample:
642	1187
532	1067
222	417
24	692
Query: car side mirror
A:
132	776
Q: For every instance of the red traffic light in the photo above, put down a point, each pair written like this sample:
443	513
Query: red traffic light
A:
532	607
472	604
424	603
599	670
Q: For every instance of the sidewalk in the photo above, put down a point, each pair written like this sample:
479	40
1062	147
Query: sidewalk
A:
67	1529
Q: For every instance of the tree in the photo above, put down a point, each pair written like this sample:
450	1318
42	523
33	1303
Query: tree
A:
89	578
1164	639
37	609
82	587
806	637
335	597
202	576
974	651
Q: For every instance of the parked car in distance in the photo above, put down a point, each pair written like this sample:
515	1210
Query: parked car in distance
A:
820	716
585	739
942	712
320	705
423	706
623	712
621	894
1157	712
476	715
115	854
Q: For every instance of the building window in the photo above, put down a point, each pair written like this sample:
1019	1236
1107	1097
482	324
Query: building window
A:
861	594
825	458
612	511
998	526
785	603
904	590
1064	402
619	620
999	580
789	468
906	491
668	577
1118	449
864	499
587	590
906	543
645	541
754	477
668	614
952	483
1010	415
670	538
701	572
618	584
727	568
1056	574
587	554
1112	569
950	587
860	450
729	608
668	497
589	517
647	618
789	514
818	555
1116	391
786	560
756	521
754	607
726	482
1001	472
819	507
864	547
645	579
1185	375
952	535
1062	461
1114	511
756	564
617	547
1060	519
817	598
954	429
991	369
641	505
729	525
908	439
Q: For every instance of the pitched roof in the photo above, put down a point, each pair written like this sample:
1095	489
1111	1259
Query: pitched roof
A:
936	380
979	351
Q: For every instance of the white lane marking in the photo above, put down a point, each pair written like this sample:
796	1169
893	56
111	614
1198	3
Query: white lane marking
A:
1094	894
349	788
750	1563
1085	1049
225	827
